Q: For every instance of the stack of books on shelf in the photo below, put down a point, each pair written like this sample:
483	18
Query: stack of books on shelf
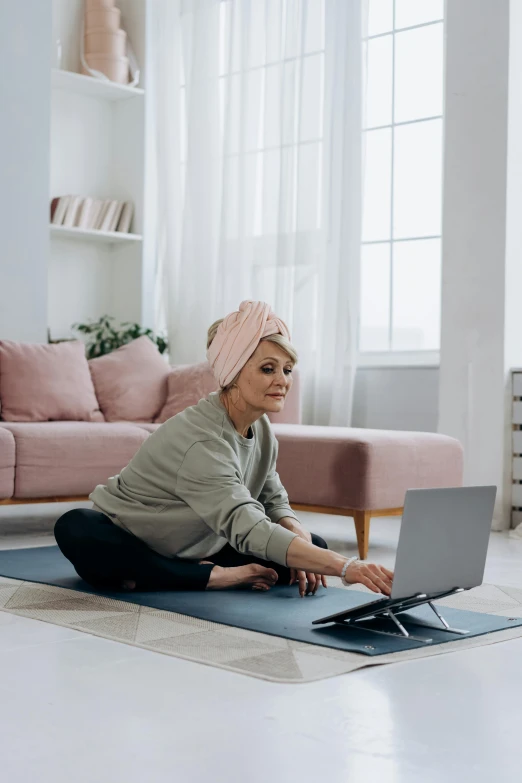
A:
92	213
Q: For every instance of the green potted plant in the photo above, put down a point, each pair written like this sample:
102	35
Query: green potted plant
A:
104	337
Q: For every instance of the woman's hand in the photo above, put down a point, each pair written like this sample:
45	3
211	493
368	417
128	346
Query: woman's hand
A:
376	577
302	577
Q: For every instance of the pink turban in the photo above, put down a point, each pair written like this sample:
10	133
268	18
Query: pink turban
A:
238	336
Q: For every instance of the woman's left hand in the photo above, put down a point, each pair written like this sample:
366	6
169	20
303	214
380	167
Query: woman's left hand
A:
302	577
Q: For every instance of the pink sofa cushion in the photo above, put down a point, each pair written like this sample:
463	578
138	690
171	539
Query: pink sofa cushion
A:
67	459
345	467
187	385
131	382
7	464
46	383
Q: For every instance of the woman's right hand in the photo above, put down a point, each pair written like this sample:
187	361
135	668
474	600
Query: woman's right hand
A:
304	556
376	577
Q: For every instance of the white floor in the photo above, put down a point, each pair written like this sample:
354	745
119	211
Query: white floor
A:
80	708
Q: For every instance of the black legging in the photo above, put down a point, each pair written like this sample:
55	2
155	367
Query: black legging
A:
104	555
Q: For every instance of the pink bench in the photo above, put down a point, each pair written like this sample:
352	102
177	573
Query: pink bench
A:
362	473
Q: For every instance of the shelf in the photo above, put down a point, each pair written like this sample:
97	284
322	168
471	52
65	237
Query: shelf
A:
93	235
94	88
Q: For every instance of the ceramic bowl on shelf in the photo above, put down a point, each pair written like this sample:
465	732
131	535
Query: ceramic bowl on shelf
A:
115	68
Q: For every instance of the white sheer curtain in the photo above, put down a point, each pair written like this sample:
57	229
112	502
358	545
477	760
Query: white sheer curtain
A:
257	106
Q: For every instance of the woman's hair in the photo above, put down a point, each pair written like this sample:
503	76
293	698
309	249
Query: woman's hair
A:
278	339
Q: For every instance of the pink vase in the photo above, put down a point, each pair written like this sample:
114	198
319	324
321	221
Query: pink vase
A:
109	18
95	4
109	42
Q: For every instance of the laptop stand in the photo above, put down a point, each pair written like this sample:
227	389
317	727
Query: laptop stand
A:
354	617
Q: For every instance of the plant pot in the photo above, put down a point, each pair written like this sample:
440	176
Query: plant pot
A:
95	4
109	18
110	42
115	68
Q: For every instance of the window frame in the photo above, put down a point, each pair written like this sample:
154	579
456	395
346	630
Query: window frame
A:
390	357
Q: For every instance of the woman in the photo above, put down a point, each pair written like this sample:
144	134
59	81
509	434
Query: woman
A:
201	506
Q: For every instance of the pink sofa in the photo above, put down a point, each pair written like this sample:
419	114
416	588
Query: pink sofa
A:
356	473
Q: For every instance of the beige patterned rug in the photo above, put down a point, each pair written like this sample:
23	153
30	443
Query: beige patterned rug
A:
246	652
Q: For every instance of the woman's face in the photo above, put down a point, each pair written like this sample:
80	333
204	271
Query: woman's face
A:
268	372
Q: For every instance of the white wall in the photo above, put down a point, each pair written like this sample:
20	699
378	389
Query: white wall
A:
474	365
25	52
396	398
513	263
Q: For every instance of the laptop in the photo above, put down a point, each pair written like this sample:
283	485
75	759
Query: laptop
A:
442	548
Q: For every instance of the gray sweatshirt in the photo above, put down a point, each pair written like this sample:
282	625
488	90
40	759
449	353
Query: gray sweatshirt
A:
196	483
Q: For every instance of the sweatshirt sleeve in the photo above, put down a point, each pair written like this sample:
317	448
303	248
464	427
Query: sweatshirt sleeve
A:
274	496
208	481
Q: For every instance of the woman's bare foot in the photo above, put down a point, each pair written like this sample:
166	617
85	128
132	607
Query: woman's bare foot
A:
254	576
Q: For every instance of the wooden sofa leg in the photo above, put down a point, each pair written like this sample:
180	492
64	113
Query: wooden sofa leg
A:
362	530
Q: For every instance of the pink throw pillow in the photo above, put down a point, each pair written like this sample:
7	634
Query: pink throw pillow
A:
46	382
131	382
187	384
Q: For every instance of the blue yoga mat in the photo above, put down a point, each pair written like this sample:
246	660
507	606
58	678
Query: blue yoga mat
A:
279	612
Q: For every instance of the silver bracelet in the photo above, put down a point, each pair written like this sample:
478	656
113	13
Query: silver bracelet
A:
345	566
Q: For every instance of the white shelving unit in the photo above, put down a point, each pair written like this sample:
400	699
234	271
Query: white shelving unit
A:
98	149
93	235
516	419
86	85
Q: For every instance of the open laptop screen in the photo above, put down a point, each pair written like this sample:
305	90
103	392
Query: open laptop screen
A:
443	540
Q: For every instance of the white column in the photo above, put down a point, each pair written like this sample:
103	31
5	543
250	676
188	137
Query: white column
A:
513	265
481	335
25	55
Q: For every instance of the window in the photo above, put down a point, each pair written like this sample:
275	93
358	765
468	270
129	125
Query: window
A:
402	196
